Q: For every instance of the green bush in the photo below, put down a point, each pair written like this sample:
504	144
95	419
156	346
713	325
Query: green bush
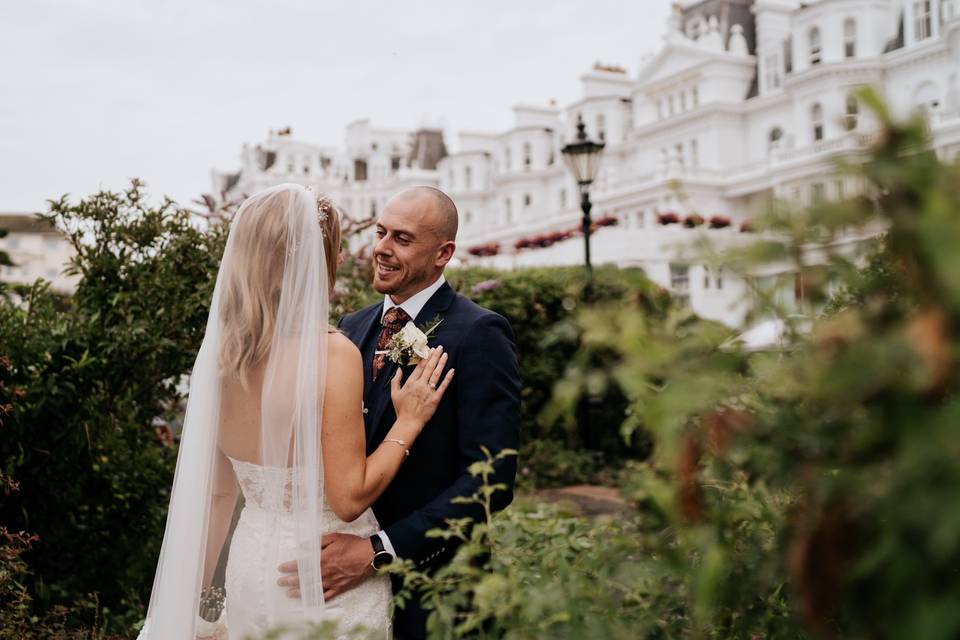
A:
541	305
97	371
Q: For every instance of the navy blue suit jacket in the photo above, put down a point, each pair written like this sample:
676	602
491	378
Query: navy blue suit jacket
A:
481	408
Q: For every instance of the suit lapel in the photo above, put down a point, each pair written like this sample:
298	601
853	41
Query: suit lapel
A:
438	303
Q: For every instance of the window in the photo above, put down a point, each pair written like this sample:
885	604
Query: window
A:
706	277
678	152
527	200
788	55
659	109
839	189
815	46
373	208
359	170
563	198
922	19
772	71
680	282
527	156
695	96
818	193
853	111
641	219
683	101
602	127
508	211
468	178
719	278
816	121
670	109
395	163
694	154
773	139
507	160
850	38
468	217
551	158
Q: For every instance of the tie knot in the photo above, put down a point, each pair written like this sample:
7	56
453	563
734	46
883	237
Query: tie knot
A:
395	318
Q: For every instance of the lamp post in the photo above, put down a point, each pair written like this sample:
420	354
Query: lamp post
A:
583	159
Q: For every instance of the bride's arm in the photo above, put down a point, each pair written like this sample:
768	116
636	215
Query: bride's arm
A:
353	480
223	502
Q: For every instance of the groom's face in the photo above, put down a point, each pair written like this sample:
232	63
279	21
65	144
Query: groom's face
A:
407	255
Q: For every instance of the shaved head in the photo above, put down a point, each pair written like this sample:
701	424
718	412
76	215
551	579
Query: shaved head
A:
445	219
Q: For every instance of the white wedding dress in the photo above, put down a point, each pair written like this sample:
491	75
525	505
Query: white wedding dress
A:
264	537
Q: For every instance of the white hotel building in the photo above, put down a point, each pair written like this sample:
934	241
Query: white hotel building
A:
747	101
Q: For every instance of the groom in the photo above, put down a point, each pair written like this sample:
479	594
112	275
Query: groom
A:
415	240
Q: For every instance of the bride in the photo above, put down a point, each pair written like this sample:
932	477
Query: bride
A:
274	413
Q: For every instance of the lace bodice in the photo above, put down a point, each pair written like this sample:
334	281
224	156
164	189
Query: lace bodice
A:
265	487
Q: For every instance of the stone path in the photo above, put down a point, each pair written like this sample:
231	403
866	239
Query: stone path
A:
586	500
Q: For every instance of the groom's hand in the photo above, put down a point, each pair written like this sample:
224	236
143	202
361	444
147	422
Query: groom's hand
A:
345	560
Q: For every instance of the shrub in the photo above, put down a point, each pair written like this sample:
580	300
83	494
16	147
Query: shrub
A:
541	305
97	369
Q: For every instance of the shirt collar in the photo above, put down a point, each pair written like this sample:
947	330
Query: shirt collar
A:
414	304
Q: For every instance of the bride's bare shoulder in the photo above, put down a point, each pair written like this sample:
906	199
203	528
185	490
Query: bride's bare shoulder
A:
341	349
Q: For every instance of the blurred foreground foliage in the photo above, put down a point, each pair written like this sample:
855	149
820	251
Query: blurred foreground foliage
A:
807	492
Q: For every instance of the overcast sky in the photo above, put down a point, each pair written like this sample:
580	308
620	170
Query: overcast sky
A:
96	91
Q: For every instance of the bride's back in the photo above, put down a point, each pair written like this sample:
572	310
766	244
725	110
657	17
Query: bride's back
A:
258	396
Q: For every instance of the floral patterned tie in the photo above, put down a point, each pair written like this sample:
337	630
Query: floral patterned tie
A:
393	321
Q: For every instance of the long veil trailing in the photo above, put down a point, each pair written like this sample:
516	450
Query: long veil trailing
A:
274	312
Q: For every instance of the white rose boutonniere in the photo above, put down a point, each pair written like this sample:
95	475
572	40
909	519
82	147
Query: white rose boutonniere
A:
409	345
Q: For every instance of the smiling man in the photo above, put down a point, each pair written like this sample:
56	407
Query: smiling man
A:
416	236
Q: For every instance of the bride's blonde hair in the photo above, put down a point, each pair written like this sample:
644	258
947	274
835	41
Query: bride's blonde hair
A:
251	290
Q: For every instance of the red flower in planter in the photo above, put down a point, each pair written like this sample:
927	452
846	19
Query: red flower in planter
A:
607	221
490	249
693	220
746	226
668	218
522	243
719	222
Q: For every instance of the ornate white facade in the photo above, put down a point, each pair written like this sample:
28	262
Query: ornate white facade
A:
747	101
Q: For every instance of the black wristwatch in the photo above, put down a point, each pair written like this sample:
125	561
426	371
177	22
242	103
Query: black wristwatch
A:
381	557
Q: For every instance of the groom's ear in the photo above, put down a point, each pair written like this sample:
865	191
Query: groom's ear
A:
445	253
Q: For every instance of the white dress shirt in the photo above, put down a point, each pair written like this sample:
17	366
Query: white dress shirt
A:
412	305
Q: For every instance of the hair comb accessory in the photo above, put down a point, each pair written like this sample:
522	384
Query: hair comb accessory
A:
324	206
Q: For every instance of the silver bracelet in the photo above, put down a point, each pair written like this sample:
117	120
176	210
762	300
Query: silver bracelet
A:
406	451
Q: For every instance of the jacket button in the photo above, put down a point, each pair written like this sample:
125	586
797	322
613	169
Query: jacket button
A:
366	411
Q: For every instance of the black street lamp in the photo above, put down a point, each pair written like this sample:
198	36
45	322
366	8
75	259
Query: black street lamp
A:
583	159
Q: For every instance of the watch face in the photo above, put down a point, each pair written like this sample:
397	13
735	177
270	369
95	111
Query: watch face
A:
382	559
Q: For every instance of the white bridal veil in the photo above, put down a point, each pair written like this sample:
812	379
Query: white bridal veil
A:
270	307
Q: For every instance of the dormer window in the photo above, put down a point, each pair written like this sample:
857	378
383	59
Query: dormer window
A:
815	46
850	38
